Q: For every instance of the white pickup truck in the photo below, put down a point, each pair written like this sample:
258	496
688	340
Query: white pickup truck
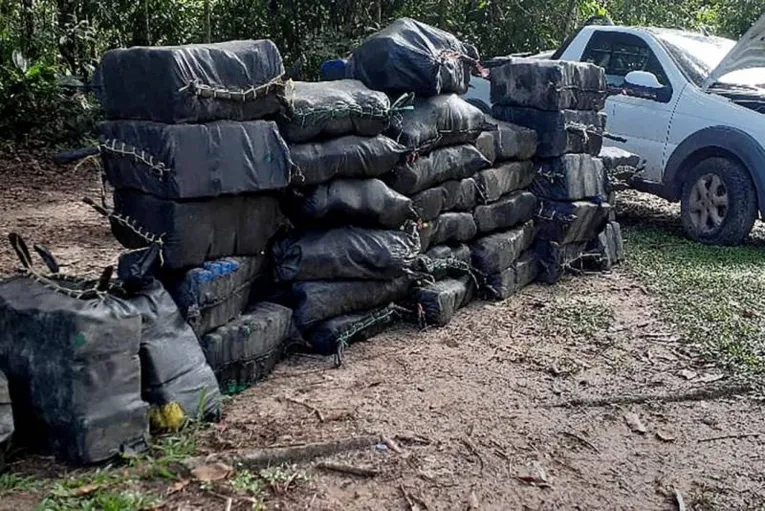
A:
692	106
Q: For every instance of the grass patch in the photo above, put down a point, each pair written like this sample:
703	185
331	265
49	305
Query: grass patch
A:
575	317
11	483
715	295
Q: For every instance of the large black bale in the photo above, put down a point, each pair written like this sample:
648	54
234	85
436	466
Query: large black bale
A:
495	253
437	122
453	227
247	349
460	195
513	209
507	177
71	356
192	161
555	260
333	335
319	300
345	253
441	300
362	202
349	156
215	293
334	109
520	274
459	252
571	222
409	56
605	251
505	141
549	84
173	367
571	177
444	164
560	132
6	412
614	158
236	80
193	232
428	204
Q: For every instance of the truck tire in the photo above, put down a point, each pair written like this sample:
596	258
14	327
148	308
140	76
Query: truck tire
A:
719	203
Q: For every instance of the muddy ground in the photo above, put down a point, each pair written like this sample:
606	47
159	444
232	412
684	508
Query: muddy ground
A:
475	407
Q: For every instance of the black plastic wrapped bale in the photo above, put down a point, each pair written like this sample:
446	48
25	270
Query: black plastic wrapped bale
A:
334	109
192	161
319	300
513	209
326	338
193	232
485	145
441	300
549	85
459	252
508	141
507	177
435	122
605	251
409	56
444	164
345	253
520	274
571	222
364	202
495	253
71	355
571	177
247	349
236	80
460	195
6	412
173	367
554	260
215	293
561	132
349	156
428	204
613	158
453	227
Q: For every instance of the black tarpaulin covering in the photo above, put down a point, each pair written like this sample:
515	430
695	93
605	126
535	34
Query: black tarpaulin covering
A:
349	156
190	161
453	227
513	209
554	259
444	164
441	300
345	253
196	231
350	328
74	368
235	80
518	275
571	177
505	178
510	141
409	56
571	222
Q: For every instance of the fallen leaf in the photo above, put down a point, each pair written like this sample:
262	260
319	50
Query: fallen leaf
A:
711	378
213	472
633	421
688	374
665	436
178	486
85	490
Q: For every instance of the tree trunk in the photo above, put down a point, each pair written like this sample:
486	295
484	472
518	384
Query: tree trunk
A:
28	26
208	25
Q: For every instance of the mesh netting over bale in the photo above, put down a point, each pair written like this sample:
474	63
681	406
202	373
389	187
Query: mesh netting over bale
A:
236	80
505	178
571	177
326	337
409	56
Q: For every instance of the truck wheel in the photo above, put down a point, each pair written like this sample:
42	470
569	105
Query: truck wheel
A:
719	203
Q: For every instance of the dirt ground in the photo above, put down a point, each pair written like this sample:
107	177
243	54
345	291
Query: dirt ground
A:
475	406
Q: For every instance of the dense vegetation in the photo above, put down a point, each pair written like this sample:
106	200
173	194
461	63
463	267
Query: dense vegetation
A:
45	42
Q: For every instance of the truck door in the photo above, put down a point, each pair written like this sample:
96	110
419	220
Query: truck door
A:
643	121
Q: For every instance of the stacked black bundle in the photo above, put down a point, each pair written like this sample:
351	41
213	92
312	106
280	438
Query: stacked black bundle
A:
6	412
207	194
561	102
355	241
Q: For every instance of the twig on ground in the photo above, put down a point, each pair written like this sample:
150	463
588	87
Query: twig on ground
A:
260	458
679	500
229	503
406	497
473	450
348	469
315	410
726	437
582	441
416	439
695	395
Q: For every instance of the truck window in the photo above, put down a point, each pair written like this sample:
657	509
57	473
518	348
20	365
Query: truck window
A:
619	54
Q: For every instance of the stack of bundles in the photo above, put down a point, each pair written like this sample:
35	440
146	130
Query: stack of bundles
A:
85	360
355	243
561	102
196	169
505	216
6	413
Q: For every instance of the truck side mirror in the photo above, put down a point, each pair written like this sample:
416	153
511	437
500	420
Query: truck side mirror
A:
642	84
643	79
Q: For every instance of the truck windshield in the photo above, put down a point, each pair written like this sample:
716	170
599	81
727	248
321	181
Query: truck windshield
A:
696	54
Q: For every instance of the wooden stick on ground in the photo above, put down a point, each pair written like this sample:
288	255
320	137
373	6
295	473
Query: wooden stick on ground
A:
315	410
694	395
348	469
